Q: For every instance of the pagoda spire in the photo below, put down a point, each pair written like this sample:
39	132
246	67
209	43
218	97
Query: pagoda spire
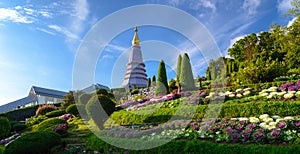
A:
135	40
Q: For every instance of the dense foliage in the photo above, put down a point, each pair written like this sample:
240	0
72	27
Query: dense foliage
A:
4	127
34	143
49	124
55	113
162	87
44	109
99	108
186	78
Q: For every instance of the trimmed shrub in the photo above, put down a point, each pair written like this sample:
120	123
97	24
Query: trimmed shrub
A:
35	120
42	110
102	91
73	109
84	98
2	148
49	124
95	111
55	113
34	143
17	126
228	110
4	127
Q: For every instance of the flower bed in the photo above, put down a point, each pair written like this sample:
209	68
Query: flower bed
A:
264	129
9	139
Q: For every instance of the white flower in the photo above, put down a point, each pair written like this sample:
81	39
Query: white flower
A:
267	120
231	95
272	89
272	123
243	119
263	94
218	132
246	93
269	96
228	93
298	93
288	96
291	92
212	93
274	93
239	90
247	89
276	117
288	118
270	127
253	120
263	116
263	125
281	93
263	91
208	97
239	96
233	119
279	120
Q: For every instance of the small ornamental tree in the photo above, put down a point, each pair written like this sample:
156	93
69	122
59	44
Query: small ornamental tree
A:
149	83
186	75
162	87
153	80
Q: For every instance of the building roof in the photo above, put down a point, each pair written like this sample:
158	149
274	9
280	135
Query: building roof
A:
20	102
95	87
47	92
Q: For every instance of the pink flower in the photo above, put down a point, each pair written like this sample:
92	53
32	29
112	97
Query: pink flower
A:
281	125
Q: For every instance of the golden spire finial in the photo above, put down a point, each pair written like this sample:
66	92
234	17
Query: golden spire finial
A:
135	40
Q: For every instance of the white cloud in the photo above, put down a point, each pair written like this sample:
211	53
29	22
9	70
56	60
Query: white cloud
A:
14	16
114	48
29	11
45	31
45	14
284	5
232	41
196	5
291	22
81	12
250	6
64	31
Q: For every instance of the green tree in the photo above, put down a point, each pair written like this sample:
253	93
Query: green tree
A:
153	80
149	82
186	75
162	83
172	85
178	69
4	127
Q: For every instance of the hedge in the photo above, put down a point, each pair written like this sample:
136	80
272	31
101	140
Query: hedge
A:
185	146
34	143
228	110
49	124
4	127
22	113
56	113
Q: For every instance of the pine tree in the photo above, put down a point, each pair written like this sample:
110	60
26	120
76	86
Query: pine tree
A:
178	69
162	87
149	82
186	75
153	80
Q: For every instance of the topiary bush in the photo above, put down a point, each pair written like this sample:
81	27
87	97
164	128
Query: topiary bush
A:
61	129
35	120
42	110
102	91
73	109
34	143
55	113
49	124
84	98
95	112
4	127
17	126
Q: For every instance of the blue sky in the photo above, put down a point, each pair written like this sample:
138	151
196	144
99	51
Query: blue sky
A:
39	39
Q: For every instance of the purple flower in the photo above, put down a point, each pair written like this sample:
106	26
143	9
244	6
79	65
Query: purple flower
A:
259	135
225	119
232	123
297	123
231	131
292	88
243	122
245	135
240	128
274	133
196	127
252	125
248	130
281	125
222	125
235	136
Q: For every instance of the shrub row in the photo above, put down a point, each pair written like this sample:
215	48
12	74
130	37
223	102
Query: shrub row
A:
55	113
4	127
34	143
185	146
226	110
23	113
